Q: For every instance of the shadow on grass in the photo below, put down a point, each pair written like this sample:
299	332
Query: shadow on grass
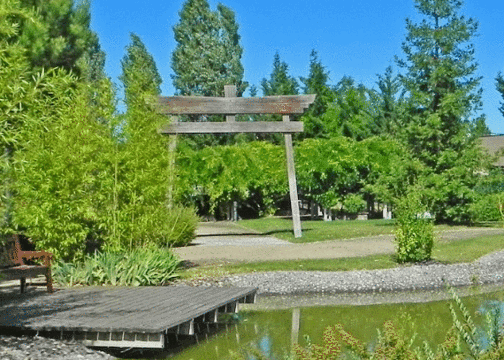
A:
488	224
231	234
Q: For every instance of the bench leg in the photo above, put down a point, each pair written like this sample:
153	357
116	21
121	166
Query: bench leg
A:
49	280
23	284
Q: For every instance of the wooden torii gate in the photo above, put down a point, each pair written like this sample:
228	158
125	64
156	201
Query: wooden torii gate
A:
230	105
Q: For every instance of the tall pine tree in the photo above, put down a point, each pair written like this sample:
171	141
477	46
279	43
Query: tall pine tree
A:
444	98
63	38
351	113
280	82
389	118
208	52
316	83
441	81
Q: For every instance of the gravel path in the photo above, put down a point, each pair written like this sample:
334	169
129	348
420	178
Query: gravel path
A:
218	242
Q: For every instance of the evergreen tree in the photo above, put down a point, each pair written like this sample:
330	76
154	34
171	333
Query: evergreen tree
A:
208	52
140	75
253	91
390	104
351	113
316	83
444	96
279	83
500	88
440	80
63	38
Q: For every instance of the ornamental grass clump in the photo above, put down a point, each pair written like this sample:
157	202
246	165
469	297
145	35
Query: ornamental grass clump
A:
148	266
414	234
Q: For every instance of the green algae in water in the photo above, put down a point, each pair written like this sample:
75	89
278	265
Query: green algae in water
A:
270	331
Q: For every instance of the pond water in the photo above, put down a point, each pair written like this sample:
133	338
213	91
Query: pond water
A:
268	325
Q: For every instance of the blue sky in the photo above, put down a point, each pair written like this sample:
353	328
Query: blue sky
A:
358	38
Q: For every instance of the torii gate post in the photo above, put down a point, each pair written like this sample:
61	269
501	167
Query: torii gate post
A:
230	105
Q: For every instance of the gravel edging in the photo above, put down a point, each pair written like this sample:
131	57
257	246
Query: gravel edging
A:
40	348
486	270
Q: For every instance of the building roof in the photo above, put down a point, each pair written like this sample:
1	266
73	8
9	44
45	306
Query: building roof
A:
494	143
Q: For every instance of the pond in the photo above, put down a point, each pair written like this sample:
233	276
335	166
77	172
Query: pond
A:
268	325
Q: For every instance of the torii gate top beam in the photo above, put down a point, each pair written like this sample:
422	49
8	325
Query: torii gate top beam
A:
229	106
201	105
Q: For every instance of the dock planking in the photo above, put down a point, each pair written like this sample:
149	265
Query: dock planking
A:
121	316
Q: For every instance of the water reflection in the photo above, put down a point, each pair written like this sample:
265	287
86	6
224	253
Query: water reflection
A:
272	332
493	313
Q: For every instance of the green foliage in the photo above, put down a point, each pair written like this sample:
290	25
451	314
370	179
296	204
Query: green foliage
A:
316	83
329	170
352	112
143	168
63	38
251	171
280	82
414	234
488	207
441	122
139	73
57	176
71	184
489	191
390	117
148	266
208	52
354	203
181	224
444	92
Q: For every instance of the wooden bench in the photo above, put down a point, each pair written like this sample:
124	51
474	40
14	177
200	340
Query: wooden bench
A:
13	266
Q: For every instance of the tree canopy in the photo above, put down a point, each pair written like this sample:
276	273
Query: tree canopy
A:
280	82
208	52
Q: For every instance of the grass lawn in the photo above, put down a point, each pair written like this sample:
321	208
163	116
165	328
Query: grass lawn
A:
317	230
446	252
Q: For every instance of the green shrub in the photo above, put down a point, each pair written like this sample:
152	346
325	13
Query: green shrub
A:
487	208
148	266
182	223
354	203
414	234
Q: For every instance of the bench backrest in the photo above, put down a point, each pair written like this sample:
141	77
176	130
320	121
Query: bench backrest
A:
10	252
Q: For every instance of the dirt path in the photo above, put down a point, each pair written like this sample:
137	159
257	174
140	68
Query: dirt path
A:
224	241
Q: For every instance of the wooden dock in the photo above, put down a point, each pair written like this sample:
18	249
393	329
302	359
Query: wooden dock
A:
140	317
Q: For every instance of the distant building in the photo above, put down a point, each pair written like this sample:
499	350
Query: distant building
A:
494	143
